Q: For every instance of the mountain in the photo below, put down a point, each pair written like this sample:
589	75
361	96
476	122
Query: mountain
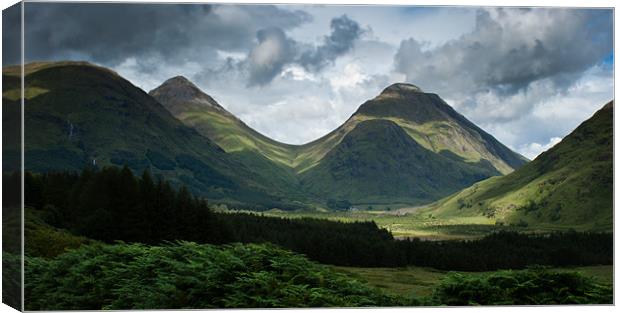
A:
379	163
327	167
77	114
438	127
460	152
568	186
198	110
433	124
269	158
403	147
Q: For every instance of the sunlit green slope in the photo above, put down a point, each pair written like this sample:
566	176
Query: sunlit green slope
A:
568	186
198	110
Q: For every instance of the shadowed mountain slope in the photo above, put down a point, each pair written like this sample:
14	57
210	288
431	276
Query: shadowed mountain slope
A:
78	114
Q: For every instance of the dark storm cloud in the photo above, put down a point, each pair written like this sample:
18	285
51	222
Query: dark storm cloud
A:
11	35
344	32
275	50
511	48
268	58
145	36
111	32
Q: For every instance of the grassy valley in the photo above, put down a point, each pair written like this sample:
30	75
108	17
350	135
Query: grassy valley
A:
422	281
409	225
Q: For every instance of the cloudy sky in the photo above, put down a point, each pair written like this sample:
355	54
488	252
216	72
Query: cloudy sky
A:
294	73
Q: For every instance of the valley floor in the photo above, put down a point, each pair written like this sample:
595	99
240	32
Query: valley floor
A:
421	281
404	224
411	223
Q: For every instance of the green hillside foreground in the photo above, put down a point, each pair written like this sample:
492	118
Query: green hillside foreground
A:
568	186
186	275
78	114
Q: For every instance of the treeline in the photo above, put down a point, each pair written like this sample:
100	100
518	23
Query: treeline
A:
112	204
364	244
330	242
510	250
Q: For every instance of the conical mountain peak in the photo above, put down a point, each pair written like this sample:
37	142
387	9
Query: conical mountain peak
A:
400	91
178	94
179	87
179	80
407	101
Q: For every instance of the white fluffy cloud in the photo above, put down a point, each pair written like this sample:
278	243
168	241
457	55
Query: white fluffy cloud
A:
532	150
548	112
300	106
351	77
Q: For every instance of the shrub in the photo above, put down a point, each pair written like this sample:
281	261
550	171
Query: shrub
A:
45	241
189	275
533	286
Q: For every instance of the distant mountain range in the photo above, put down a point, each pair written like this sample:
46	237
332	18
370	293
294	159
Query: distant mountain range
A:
568	186
404	147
